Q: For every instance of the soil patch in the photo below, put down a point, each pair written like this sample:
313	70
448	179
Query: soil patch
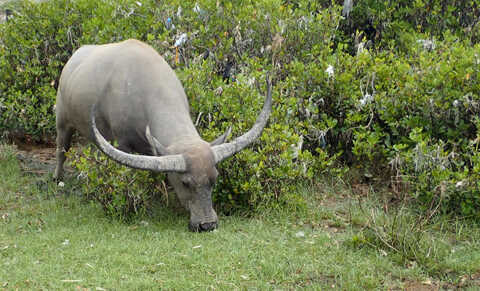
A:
39	158
421	286
35	159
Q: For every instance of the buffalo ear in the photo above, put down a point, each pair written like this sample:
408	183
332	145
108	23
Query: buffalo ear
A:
157	148
221	139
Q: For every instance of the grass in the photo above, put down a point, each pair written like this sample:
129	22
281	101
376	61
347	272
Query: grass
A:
50	238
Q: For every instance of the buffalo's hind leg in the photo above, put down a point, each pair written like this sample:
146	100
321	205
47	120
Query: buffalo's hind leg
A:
64	139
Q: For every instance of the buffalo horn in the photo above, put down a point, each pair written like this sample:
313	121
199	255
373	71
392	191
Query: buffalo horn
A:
157	148
226	150
221	139
170	163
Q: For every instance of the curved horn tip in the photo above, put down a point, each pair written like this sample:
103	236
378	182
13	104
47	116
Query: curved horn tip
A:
157	147
149	137
229	131
269	85
221	139
224	151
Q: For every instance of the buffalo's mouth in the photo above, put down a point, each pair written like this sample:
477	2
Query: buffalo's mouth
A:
201	227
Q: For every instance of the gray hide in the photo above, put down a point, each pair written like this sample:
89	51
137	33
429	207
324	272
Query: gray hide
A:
127	92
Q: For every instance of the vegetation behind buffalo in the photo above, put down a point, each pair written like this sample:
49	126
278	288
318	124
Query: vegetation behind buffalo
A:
388	92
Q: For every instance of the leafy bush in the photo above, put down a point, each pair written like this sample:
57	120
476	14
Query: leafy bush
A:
271	168
247	179
39	39
122	192
391	90
385	24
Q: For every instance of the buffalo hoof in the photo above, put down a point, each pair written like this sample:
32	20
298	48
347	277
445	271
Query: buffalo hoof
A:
209	226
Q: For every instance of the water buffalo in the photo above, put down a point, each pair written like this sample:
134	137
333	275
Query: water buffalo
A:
127	92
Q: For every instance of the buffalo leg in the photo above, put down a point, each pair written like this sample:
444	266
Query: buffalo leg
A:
64	138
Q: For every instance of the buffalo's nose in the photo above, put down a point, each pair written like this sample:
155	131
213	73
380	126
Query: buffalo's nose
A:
209	226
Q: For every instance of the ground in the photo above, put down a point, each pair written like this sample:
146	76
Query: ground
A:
36	159
51	239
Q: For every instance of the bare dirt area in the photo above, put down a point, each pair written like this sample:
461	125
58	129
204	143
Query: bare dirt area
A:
36	159
39	158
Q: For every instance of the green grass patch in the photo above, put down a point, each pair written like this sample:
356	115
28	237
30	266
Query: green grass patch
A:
51	238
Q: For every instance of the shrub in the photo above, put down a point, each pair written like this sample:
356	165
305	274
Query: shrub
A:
39	39
408	97
385	24
270	169
244	43
123	192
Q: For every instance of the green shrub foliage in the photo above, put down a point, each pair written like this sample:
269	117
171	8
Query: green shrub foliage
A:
389	88
122	192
